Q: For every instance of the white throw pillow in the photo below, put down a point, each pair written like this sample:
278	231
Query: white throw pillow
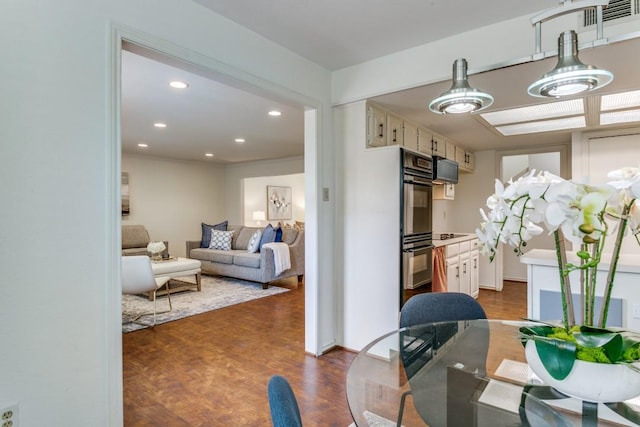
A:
254	243
221	240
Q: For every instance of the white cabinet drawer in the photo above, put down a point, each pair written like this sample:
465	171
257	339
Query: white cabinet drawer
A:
453	249
465	246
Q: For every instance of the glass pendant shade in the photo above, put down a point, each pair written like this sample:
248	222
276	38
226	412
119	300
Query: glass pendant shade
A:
460	98
570	76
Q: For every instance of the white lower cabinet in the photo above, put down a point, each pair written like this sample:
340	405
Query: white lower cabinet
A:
462	267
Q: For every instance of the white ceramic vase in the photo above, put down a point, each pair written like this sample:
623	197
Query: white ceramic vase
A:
589	381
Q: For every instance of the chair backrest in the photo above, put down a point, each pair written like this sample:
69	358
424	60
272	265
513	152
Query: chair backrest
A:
283	404
440	307
137	275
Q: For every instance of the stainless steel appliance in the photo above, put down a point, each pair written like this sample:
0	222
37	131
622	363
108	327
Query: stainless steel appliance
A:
417	219
444	170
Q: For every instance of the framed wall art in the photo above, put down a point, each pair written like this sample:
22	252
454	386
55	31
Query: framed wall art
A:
279	202
124	191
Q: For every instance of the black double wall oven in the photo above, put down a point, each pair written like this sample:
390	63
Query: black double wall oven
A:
417	219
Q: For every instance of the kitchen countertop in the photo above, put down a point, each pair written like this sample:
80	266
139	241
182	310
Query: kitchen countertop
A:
460	237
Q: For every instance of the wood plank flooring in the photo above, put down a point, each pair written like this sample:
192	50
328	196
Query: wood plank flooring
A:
212	369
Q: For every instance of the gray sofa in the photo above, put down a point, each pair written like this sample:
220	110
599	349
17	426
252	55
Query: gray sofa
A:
256	267
135	239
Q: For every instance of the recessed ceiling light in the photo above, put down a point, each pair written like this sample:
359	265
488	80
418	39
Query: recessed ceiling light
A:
160	125
178	85
620	117
535	112
209	154
542	126
142	145
275	113
239	140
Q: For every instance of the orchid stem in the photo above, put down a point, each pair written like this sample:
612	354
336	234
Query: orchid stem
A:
567	300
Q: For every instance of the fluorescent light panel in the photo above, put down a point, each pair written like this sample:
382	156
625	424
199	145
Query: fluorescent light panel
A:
627	116
620	100
542	126
535	112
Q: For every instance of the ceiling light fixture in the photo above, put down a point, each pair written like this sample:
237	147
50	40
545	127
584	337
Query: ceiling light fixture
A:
570	76
239	140
275	113
208	154
178	84
143	145
160	125
460	98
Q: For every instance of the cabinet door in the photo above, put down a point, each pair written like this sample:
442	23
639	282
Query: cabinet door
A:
466	159
444	191
376	127
453	275
450	150
475	274
438	146
424	141
410	137
394	130
471	161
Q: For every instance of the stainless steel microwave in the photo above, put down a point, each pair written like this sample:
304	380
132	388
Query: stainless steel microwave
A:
444	170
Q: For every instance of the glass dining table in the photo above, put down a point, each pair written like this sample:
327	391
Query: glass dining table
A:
467	373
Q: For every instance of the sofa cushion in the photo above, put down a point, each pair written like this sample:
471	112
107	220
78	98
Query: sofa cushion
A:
268	235
221	240
206	232
244	237
205	254
134	236
289	235
254	243
247	260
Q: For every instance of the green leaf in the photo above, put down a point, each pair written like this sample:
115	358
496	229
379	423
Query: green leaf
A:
557	356
611	343
583	254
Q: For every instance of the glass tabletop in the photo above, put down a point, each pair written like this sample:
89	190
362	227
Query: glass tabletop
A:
468	373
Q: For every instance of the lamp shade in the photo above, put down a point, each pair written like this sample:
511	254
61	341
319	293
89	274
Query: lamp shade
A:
460	98
258	216
570	76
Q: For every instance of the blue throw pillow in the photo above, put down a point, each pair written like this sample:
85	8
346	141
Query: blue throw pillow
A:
206	232
278	234
268	236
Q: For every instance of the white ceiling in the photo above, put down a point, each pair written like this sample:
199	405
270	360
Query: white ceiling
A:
209	115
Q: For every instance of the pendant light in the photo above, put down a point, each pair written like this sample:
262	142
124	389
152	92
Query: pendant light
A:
570	76
460	98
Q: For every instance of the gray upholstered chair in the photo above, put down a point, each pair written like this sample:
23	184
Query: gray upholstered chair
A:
283	404
138	278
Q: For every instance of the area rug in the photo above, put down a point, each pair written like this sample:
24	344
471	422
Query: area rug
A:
217	292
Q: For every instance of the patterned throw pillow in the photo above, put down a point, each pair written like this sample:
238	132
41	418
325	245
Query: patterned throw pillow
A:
254	243
206	232
221	240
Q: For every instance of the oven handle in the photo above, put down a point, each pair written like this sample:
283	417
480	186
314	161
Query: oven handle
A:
419	248
426	183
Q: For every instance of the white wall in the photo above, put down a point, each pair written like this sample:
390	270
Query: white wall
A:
172	198
59	318
255	197
236	175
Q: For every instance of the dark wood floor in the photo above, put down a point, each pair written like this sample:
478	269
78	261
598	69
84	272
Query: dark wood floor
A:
212	369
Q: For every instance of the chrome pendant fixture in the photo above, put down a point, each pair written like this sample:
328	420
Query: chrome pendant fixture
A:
461	98
570	76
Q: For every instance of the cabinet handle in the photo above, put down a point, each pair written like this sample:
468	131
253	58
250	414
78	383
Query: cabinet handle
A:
394	134
475	263
434	143
464	268
457	271
381	126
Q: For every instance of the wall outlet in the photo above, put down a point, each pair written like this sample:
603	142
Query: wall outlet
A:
9	415
325	194
635	311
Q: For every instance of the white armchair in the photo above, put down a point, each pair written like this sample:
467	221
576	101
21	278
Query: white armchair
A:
138	278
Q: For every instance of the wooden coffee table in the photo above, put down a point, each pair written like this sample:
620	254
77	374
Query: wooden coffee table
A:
174	268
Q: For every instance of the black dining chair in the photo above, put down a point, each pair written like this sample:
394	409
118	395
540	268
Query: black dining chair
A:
283	403
439	307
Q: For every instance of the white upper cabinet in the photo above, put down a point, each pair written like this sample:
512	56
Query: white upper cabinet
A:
466	159
395	133
376	127
450	150
410	136
438	146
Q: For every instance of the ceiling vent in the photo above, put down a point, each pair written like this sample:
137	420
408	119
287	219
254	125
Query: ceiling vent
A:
617	9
